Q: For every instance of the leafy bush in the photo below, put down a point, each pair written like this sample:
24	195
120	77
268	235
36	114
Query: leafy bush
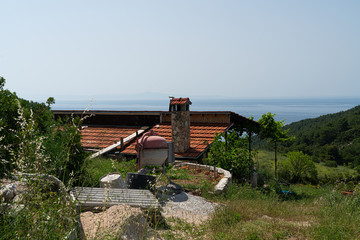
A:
231	153
298	167
330	163
32	141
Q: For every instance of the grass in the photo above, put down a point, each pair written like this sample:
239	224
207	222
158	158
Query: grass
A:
251	214
180	229
39	213
95	168
339	171
318	212
196	181
264	163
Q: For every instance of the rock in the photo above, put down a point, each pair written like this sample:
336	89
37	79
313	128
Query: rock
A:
143	171
117	222
9	192
193	209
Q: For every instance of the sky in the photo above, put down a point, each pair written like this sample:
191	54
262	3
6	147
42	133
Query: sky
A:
155	49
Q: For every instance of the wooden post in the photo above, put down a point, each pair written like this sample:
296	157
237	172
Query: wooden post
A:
226	142
275	160
250	135
121	144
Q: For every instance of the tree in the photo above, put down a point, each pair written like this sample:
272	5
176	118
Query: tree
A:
231	152
272	130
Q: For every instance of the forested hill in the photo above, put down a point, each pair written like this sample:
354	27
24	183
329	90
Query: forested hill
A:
333	138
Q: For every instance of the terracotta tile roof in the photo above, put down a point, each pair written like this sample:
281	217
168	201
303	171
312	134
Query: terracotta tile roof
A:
101	137
97	137
201	136
180	101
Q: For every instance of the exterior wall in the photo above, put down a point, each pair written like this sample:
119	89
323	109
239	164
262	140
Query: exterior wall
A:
180	129
210	118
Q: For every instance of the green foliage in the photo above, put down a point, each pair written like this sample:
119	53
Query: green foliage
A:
231	152
51	217
65	150
330	163
180	229
332	137
44	211
326	175
298	167
32	141
319	213
273	131
95	168
339	215
179	173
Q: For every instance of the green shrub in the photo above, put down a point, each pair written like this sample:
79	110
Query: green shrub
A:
32	141
330	163
298	167
231	153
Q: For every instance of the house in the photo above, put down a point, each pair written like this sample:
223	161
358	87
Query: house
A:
192	132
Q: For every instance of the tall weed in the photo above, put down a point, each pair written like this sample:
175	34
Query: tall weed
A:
339	217
95	168
44	209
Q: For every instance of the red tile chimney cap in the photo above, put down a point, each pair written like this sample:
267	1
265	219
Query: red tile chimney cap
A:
180	101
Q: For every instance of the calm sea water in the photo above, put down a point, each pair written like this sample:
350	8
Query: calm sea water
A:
290	110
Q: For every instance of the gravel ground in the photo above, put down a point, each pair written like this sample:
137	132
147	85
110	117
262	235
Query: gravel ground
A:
193	209
131	222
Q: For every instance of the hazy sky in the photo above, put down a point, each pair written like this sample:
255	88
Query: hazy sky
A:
238	49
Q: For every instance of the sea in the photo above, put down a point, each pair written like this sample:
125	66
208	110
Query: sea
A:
289	110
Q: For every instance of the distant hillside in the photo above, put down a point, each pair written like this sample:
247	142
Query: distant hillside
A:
333	138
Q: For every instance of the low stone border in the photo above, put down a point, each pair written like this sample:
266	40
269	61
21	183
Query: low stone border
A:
224	181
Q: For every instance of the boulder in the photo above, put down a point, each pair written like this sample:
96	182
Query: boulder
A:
9	192
117	222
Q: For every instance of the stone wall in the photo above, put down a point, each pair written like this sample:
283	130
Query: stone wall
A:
180	129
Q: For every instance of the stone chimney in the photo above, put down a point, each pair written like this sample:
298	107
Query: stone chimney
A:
180	123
